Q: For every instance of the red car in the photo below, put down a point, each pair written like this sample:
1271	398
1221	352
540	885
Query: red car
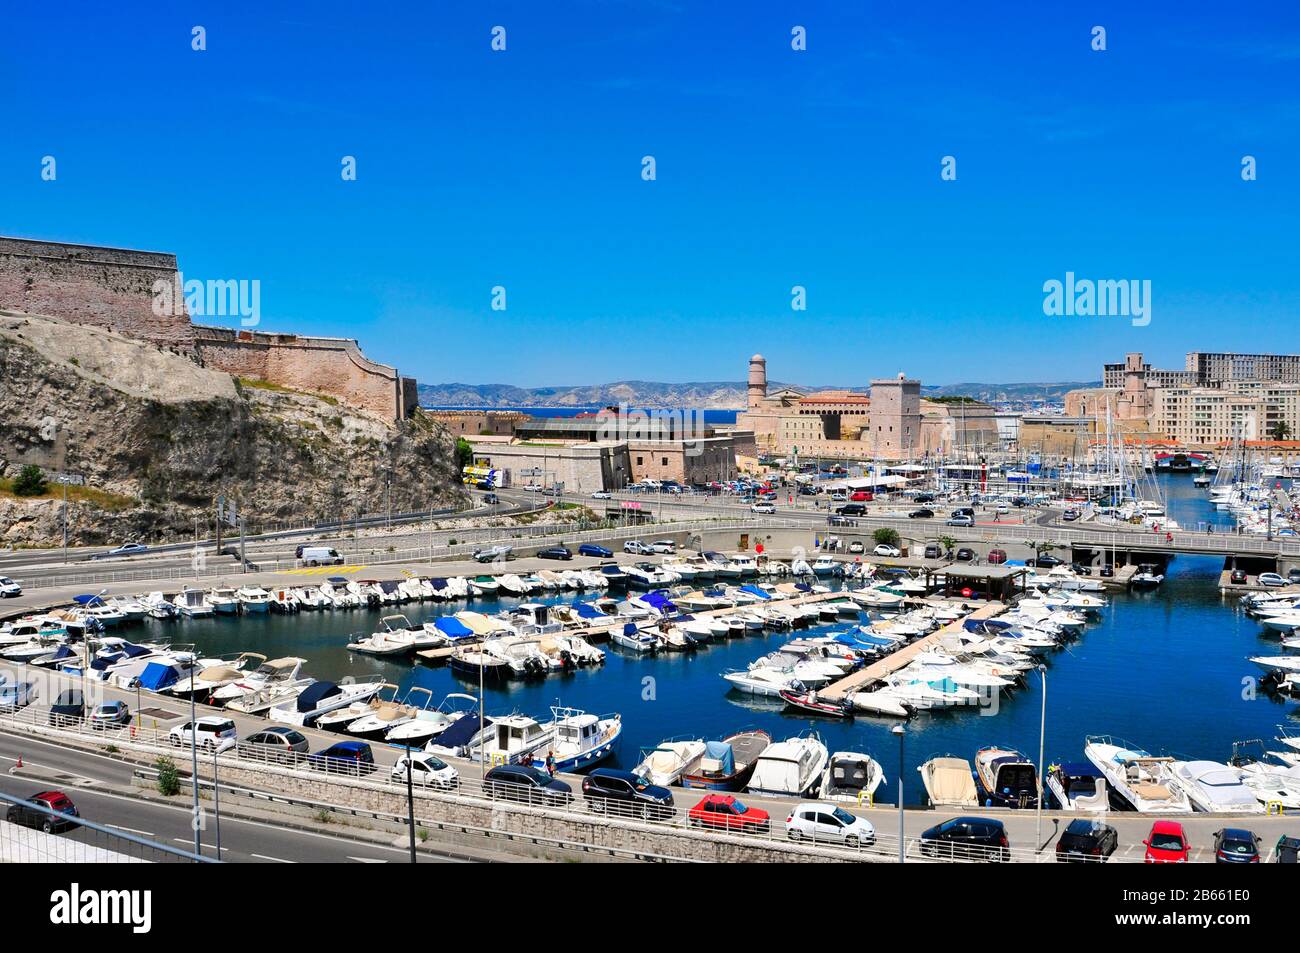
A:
1167	843
997	556
729	813
861	496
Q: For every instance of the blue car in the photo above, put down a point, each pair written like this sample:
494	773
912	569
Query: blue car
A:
591	549
346	757
1235	845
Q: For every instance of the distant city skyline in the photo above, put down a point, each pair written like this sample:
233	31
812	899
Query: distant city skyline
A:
775	169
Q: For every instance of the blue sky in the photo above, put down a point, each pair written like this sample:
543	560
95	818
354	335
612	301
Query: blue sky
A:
775	168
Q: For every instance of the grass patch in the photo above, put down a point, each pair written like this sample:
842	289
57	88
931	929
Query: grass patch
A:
259	384
83	494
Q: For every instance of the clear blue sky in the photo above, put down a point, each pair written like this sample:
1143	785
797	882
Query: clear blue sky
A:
775	168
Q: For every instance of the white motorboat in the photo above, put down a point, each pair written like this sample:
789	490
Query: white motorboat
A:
428	724
1278	663
792	768
484	585
516	740
1213	787
851	776
280	671
1077	786
764	681
881	701
579	740
194	604
391	715
319	698
949	782
666	764
1141	778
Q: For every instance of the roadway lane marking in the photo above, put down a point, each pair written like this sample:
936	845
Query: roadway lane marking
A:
275	859
190	841
131	830
366	860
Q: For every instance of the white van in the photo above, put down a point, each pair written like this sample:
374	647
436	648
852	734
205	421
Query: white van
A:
211	733
320	556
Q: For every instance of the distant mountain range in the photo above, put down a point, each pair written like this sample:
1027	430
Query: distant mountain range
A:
712	395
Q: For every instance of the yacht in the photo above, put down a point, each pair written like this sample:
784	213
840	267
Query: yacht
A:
791	768
193	603
271	673
484	586
321	697
1213	787
1007	777
851	776
580	740
634	640
1139	777
253	599
1077	786
517	739
429	724
949	782
1147	576
391	715
764	681
666	764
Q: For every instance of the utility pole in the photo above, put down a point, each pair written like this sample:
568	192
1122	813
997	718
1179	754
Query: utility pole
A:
410	802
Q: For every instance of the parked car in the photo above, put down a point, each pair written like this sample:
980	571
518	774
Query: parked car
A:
892	552
967	838
602	495
279	743
69	706
924	498
346	757
1087	841
729	813
959	521
319	556
664	547
924	513
591	549
30	813
764	508
1287	850
211	733
816	821
1070	515
964	511
1293	576
1167	844
1001	508
9	588
1238	576
1236	845
1271	579
1045	561
555	552
522	782
851	509
860	496
933	551
997	557
1106	572
637	548
109	715
533	488
625	794
965	554
427	770
857	547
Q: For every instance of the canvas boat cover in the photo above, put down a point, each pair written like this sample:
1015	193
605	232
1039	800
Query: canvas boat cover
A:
452	628
478	624
390	586
719	758
219	673
461	731
311	696
757	591
981	626
658	600
586	610
157	676
438	583
951	782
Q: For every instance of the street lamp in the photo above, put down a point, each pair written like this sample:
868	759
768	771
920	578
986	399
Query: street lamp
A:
1042	733
410	800
902	848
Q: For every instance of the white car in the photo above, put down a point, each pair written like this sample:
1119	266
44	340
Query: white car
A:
884	550
602	495
9	588
819	821
1002	508
533	487
428	770
767	508
211	733
664	547
1271	579
637	548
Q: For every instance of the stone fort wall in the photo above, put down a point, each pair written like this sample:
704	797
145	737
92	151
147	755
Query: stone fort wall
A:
114	288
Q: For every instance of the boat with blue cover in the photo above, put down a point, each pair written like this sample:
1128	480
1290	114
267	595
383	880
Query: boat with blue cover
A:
728	764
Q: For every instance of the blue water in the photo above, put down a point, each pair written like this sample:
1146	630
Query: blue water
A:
1165	670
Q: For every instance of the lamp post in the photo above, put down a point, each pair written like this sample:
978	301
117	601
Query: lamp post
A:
410	801
1042	734
902	842
194	765
216	799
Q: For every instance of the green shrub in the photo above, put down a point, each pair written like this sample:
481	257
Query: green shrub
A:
30	481
169	780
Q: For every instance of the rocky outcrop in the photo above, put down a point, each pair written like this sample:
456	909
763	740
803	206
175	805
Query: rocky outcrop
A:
163	437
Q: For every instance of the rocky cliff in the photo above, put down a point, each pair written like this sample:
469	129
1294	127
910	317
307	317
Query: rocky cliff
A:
158	438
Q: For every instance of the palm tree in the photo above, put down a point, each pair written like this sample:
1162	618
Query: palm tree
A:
1280	430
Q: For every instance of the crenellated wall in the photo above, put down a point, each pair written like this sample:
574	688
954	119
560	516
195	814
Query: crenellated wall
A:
116	288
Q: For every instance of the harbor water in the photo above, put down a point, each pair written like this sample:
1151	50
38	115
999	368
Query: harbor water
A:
1163	669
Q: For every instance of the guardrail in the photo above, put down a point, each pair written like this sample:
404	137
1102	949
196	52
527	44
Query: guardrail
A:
883	846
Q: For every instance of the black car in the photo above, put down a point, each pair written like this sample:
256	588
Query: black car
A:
1293	575
1106	572
521	782
1238	576
68	707
965	554
1086	841
967	838
36	812
851	509
1045	561
963	511
625	794
279	743
1235	845
933	552
921	514
347	757
924	498
555	552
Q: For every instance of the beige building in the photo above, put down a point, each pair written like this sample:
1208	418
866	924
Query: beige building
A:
1205	416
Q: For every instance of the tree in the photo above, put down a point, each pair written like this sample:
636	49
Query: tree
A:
464	453
947	542
30	481
1281	430
886	536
